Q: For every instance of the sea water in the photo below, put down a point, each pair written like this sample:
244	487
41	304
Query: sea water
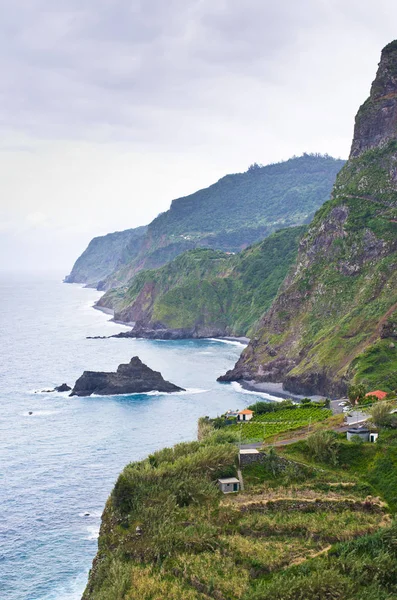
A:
59	464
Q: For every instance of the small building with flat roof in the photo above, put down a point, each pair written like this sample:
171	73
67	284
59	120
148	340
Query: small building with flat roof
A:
228	485
247	456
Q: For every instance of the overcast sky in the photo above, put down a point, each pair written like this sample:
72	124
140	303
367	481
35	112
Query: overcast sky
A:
112	108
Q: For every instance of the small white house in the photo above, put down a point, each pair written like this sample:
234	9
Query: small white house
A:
358	432
229	485
245	415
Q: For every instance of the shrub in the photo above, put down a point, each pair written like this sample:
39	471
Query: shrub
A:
323	445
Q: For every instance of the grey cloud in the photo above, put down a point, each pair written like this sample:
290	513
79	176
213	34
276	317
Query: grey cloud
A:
68	67
135	68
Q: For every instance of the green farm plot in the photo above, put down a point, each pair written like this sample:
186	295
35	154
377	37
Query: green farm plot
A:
270	424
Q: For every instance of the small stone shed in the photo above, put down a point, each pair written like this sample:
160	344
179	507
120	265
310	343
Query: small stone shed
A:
248	456
229	485
245	415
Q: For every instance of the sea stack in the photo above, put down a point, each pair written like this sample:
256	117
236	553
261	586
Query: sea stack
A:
328	323
132	378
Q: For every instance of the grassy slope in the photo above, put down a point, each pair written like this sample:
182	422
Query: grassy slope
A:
273	541
209	287
237	211
345	282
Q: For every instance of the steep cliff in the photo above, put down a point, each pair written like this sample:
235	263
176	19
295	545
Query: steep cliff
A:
334	318
233	213
205	293
106	254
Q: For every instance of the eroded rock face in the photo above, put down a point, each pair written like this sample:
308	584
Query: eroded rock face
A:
376	120
132	378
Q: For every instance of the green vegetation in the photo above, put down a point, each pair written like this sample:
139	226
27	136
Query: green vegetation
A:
237	211
279	419
209	289
377	366
295	532
106	253
327	322
323	446
374	464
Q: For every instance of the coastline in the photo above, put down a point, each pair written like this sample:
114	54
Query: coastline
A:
227	338
104	309
275	389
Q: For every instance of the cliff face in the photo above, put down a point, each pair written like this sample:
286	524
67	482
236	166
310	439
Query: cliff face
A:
376	120
329	323
104	255
207	293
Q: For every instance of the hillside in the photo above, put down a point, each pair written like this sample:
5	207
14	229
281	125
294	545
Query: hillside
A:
335	319
205	293
106	254
235	212
302	529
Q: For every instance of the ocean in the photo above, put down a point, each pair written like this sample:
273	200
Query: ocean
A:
59	464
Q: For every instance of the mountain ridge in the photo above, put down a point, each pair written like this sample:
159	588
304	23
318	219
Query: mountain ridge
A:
323	331
238	210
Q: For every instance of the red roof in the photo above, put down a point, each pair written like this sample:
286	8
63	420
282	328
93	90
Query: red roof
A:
246	412
378	393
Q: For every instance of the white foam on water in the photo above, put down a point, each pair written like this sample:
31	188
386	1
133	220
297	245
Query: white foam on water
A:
239	388
40	413
152	393
49	393
71	591
191	391
231	342
93	532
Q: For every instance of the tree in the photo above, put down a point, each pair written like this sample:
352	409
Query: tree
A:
323	445
356	393
380	414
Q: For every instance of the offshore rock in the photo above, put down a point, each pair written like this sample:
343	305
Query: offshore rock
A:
64	387
132	378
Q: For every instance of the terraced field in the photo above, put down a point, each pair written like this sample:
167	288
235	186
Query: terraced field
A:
195	543
274	423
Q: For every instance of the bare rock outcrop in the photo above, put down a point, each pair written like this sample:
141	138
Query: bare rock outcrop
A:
132	378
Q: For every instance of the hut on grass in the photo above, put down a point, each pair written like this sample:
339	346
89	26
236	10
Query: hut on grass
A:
229	485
